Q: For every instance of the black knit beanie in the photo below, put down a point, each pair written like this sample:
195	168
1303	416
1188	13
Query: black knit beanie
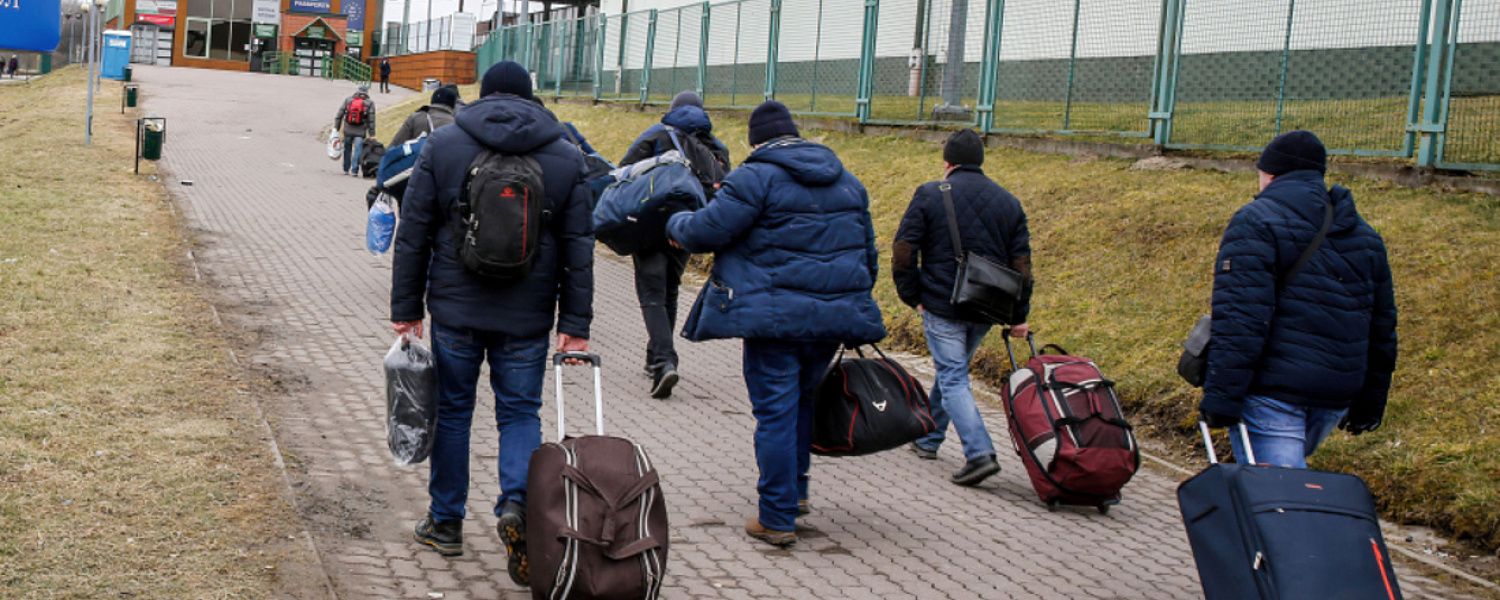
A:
445	97
769	121
964	147
687	98
506	77
1294	151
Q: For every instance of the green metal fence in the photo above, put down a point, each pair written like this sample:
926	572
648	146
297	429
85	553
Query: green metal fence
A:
1395	78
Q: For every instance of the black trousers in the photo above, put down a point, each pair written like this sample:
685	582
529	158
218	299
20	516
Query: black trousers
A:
658	276
385	83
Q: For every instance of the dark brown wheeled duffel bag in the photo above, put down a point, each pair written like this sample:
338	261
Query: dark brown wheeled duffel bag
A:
596	523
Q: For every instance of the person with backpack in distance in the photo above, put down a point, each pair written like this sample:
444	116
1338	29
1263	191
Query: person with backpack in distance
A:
1299	345
497	237
356	120
991	223
385	77
794	263
428	118
658	271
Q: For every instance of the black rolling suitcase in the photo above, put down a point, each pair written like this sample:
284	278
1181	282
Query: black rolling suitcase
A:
1274	533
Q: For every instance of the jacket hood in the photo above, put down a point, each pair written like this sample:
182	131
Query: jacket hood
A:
688	118
1304	192
808	163
509	124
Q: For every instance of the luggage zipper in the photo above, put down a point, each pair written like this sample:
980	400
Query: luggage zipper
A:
1380	562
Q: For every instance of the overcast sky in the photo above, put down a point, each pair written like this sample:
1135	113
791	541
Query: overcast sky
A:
484	9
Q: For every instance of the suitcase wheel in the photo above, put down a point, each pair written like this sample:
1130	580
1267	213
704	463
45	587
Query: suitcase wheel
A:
1052	505
1104	509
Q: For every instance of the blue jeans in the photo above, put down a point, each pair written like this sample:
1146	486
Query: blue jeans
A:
952	344
1283	434
517	368
782	378
353	144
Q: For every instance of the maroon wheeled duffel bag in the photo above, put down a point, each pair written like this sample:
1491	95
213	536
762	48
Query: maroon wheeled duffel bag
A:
1067	426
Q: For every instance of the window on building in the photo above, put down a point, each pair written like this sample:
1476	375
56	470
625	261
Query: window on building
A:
196	44
218	29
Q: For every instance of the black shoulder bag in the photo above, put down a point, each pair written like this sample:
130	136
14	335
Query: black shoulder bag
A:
984	290
1193	365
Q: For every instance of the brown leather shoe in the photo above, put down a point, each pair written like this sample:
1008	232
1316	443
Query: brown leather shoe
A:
774	538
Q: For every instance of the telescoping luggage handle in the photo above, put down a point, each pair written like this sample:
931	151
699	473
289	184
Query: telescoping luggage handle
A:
1030	341
557	364
1208	442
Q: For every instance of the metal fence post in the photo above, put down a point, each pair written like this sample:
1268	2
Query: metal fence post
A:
703	50
650	56
775	41
1286	51
1164	87
562	51
526	33
1431	127
867	62
599	56
1072	67
989	74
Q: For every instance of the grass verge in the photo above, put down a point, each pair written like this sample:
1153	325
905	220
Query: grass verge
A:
1123	259
131	460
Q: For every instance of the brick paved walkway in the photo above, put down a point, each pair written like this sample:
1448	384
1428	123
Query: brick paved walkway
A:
282	238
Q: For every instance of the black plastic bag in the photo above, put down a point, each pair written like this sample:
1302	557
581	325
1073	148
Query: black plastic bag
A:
410	401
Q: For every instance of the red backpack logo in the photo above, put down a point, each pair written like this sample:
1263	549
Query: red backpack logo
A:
357	109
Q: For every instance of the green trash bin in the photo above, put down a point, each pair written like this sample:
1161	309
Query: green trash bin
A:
130	95
127	75
151	140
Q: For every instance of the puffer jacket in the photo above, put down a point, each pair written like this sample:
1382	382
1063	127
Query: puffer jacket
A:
794	246
689	121
991	223
424	120
426	263
1328	339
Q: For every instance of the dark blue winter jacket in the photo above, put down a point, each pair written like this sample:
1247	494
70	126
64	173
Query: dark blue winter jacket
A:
687	120
1328	339
426	264
990	222
794	246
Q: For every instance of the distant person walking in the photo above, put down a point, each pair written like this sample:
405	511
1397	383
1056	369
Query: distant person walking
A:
1295	357
428	118
991	223
484	316
385	77
794	262
658	271
356	120
15	65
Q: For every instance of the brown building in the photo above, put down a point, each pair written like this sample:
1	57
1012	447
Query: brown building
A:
234	34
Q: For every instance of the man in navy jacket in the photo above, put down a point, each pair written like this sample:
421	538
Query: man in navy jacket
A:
1295	359
992	224
658	271
474	318
794	263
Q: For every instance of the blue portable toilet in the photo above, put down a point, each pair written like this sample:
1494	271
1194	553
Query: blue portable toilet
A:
116	54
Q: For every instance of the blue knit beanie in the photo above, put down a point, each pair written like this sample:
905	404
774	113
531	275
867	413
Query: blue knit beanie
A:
771	120
506	77
1294	151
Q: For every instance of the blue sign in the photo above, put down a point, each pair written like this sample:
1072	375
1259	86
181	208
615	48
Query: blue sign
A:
312	6
32	25
354	9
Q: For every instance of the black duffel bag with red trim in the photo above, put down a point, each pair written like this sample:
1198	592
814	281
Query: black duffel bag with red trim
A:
866	405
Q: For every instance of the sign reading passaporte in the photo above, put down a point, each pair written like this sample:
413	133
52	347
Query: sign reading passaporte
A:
313	6
31	25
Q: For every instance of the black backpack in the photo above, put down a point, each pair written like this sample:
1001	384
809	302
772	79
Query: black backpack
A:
500	215
700	158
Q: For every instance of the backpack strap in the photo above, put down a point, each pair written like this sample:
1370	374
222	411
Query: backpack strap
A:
568	133
429	121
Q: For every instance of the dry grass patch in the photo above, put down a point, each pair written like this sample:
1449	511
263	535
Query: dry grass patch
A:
131	460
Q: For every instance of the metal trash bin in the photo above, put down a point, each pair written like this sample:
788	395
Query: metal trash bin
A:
151	140
128	72
430	84
130	95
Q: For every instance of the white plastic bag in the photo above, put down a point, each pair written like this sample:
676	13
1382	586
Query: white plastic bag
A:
335	144
380	226
410	401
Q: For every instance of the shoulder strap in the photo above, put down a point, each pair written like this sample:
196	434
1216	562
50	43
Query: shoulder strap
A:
568	133
1312	247
672	132
428	114
958	244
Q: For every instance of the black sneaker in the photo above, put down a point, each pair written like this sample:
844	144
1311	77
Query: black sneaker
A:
447	537
976	470
663	381
923	453
512	530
